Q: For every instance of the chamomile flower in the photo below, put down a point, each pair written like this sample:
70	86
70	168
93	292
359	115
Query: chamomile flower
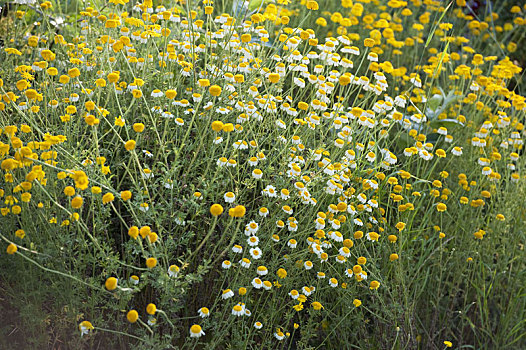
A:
255	253
257	174
269	191
279	335
238	310
284	194
204	312
457	151
253	241
257	283
262	270
245	263
267	285
85	327
229	197
251	228
196	331
287	209
226	294
372	236
263	211
173	270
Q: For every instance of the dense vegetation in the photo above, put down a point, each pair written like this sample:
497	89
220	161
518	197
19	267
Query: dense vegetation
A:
262	174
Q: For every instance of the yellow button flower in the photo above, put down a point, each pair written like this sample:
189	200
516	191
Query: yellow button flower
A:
132	316
107	198
111	283
216	209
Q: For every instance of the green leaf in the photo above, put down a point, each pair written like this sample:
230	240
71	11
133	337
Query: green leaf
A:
404	140
257	4
434	102
447	123
432	138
